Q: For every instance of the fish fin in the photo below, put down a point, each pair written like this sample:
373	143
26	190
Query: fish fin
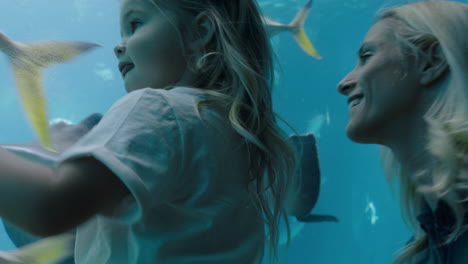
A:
49	250
304	42
28	81
6	45
47	53
27	65
301	16
313	218
270	22
274	28
299	33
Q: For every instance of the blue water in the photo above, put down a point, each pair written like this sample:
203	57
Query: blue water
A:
306	88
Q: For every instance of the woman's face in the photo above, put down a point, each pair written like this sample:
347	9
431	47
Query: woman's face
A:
383	89
151	53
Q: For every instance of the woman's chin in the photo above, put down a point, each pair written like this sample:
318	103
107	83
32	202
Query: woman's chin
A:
359	134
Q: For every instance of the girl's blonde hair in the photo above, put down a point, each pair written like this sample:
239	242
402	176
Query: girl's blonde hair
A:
425	24
237	70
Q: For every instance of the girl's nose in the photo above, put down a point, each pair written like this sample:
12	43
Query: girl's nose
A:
346	85
119	49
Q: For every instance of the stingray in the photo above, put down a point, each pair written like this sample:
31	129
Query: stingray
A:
307	182
305	190
27	62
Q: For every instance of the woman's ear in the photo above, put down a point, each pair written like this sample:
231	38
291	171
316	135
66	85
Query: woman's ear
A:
434	65
204	29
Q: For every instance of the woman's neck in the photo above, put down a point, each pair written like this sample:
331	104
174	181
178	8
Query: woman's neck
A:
414	158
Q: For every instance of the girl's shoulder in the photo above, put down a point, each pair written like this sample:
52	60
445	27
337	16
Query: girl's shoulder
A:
180	104
151	97
174	96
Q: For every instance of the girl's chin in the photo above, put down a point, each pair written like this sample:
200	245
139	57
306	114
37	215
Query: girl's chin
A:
131	88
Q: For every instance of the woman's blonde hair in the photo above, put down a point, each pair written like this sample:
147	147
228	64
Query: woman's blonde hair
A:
237	70
425	24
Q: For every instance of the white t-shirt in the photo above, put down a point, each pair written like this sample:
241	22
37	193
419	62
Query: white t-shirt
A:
187	177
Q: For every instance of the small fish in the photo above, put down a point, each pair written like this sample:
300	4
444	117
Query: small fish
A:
297	29
27	61
371	211
317	123
49	250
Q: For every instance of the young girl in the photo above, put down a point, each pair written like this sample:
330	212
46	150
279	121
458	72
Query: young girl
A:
186	168
408	93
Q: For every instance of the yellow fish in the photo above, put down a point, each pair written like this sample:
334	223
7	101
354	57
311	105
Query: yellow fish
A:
297	29
27	61
49	250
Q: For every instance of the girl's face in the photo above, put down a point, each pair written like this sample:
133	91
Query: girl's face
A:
381	93
151	52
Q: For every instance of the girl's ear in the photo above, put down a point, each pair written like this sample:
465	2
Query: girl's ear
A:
204	29
434	65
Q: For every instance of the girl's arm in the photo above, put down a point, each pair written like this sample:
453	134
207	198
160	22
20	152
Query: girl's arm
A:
46	202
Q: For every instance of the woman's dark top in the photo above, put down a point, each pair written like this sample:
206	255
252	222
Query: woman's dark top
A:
438	224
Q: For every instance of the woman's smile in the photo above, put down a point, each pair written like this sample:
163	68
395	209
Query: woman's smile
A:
355	100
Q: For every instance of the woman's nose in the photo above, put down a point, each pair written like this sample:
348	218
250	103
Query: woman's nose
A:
119	49
346	84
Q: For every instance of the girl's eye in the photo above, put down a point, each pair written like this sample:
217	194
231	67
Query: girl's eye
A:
134	25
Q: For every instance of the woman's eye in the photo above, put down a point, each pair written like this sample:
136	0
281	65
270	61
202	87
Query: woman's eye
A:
134	25
363	57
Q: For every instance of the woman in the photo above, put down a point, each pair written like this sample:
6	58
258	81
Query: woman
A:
408	93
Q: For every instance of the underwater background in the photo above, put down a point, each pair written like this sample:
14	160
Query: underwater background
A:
353	188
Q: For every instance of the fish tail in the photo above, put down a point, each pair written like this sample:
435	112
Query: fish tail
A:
49	250
34	102
299	33
28	60
34	105
6	45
